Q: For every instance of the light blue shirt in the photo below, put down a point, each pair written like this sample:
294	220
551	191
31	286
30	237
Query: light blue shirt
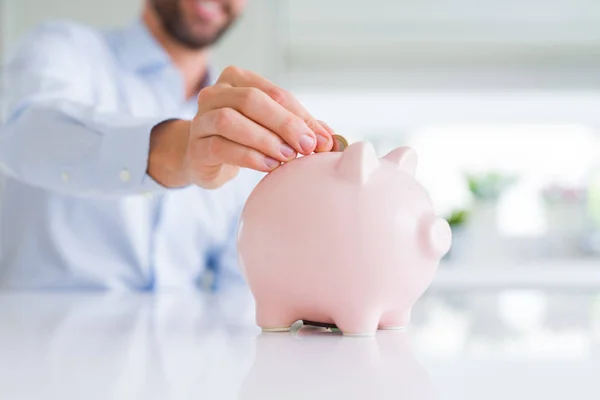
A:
77	208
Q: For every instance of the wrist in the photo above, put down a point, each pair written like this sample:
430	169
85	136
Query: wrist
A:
167	161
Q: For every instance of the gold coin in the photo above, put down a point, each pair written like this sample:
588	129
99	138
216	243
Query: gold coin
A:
339	143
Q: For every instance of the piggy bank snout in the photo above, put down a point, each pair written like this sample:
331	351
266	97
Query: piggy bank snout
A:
437	236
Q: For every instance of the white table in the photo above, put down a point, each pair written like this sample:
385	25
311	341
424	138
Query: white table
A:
567	274
486	345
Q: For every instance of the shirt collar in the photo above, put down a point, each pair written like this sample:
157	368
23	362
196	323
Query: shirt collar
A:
138	49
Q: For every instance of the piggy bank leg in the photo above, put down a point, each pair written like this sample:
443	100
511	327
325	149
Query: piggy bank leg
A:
395	320
359	324
272	317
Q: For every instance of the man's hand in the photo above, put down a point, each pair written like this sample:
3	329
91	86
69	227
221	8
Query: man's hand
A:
242	121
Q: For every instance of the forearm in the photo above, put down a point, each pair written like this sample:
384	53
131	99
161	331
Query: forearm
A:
60	134
71	149
167	162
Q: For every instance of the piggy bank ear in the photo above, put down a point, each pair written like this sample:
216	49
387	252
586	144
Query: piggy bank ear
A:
358	161
405	158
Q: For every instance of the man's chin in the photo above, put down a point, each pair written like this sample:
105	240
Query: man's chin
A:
205	37
204	41
199	35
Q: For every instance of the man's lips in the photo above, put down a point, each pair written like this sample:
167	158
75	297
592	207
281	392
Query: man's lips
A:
209	10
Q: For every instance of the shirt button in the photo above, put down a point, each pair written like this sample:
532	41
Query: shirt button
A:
125	175
65	177
148	195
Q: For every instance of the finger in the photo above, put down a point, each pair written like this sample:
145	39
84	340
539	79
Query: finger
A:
215	177
238	77
260	108
234	126
331	132
326	127
217	150
337	146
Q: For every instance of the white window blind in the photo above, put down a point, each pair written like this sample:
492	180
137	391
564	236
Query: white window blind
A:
441	43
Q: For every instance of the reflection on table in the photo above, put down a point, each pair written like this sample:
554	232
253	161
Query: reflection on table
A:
472	345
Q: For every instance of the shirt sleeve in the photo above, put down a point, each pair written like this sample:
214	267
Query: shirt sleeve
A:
57	135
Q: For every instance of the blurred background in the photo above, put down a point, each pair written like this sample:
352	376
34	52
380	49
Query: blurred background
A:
500	99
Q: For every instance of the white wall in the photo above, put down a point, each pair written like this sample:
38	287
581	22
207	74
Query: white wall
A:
389	45
24	14
453	44
250	44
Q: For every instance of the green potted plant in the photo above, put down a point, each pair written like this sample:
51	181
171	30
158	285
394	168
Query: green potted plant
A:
486	190
488	187
457	218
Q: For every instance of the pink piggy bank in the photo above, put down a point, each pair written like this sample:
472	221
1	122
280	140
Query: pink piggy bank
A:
341	238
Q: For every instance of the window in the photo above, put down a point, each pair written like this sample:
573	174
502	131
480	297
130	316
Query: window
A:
537	155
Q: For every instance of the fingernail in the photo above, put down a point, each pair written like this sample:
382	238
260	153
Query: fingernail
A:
321	141
271	163
287	151
307	142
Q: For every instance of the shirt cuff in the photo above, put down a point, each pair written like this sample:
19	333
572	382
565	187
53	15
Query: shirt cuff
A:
125	153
